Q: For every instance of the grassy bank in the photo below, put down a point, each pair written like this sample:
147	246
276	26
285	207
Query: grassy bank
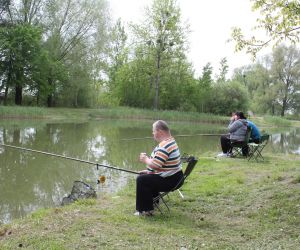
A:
109	113
16	112
229	204
169	115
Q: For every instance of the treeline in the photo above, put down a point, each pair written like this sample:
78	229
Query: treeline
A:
69	53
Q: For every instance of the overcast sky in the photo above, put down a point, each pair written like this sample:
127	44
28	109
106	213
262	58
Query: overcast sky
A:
210	21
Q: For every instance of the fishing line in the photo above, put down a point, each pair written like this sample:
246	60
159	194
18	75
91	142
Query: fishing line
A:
70	158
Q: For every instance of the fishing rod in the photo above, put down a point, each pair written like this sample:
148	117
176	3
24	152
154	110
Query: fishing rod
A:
70	158
149	137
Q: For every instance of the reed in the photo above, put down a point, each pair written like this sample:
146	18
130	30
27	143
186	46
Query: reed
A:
277	121
169	115
22	112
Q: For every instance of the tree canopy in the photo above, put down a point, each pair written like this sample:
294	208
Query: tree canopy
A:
280	19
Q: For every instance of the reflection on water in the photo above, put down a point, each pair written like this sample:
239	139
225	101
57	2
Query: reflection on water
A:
288	142
30	181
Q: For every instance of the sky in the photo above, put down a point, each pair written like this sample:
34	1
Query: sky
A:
210	21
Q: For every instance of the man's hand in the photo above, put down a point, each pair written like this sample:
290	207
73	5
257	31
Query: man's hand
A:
143	158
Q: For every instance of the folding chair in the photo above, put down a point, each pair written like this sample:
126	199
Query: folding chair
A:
256	149
192	161
237	147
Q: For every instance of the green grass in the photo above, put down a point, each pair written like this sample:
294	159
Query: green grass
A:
109	113
279	121
67	114
229	204
135	113
22	112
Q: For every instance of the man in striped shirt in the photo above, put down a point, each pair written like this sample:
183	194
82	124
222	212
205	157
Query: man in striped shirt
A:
163	171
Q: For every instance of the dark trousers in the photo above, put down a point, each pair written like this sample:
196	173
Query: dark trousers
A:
257	141
226	144
149	185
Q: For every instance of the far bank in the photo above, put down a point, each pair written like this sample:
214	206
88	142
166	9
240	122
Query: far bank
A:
17	112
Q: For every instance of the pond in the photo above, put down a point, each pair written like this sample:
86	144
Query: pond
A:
30	181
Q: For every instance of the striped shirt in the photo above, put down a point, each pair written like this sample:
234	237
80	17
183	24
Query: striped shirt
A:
166	158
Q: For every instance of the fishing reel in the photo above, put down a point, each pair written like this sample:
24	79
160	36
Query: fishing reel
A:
185	157
101	179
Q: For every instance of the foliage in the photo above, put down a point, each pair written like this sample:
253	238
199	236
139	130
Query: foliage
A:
228	97
223	70
161	41
117	53
21	56
59	58
76	32
273	82
286	75
132	85
280	20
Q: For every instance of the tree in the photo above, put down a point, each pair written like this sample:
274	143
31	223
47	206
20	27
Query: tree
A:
257	79
228	97
164	36
274	81
204	88
20	44
223	70
20	48
281	21
132	85
68	26
285	72
117	52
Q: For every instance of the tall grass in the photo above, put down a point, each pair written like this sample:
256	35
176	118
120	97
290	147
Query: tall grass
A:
22	112
170	115
127	113
277	121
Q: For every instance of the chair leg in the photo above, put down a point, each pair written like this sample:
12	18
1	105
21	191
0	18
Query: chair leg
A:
163	200
157	206
253	153
180	193
259	154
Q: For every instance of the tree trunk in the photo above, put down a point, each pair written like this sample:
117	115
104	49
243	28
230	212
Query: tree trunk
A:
9	79
50	95
5	95
284	104
18	95
156	100
38	98
50	101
